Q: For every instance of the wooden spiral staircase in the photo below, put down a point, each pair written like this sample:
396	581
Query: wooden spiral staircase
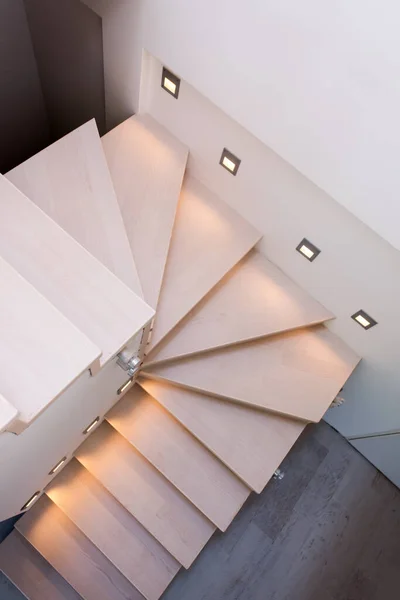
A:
238	363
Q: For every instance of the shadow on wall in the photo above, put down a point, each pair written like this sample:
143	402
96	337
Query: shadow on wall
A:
7	526
51	74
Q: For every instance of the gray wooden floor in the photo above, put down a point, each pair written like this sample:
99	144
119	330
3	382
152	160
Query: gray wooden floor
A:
329	530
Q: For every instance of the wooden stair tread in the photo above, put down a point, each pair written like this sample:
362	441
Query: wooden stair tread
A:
77	284
8	414
147	164
70	182
139	557
70	553
146	494
31	573
209	238
255	299
179	456
38	339
297	374
250	442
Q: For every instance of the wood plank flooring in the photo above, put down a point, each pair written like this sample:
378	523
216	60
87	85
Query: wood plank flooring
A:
329	530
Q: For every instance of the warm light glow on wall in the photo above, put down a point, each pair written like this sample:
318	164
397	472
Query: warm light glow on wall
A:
308	250
92	425
125	386
31	501
58	466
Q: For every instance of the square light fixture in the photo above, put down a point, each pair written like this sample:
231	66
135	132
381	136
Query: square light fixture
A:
58	466
170	83
31	501
364	320
125	386
92	425
308	250
229	161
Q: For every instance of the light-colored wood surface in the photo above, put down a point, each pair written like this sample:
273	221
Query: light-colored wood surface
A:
76	283
113	530
31	573
147	165
41	352
70	552
146	494
250	442
8	414
297	374
209	238
70	181
254	300
184	461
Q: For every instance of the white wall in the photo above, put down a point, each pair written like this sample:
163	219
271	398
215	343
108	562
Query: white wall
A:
315	81
26	459
23	120
68	44
318	84
356	268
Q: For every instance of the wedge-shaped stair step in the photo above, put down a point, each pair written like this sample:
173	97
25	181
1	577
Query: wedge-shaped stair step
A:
209	239
254	300
8	415
31	573
296	374
113	530
147	165
146	494
70	553
70	181
87	293
250	442
41	352
184	461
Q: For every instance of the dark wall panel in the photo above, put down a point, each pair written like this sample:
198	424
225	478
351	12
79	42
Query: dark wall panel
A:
23	123
68	45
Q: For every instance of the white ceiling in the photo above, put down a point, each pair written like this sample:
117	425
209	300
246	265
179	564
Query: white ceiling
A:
317	82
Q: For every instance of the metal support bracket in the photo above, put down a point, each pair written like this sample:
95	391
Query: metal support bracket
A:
130	364
338	401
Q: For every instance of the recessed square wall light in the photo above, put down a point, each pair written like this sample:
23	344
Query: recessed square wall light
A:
58	466
92	425
229	161
364	320
308	250
170	83
31	501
